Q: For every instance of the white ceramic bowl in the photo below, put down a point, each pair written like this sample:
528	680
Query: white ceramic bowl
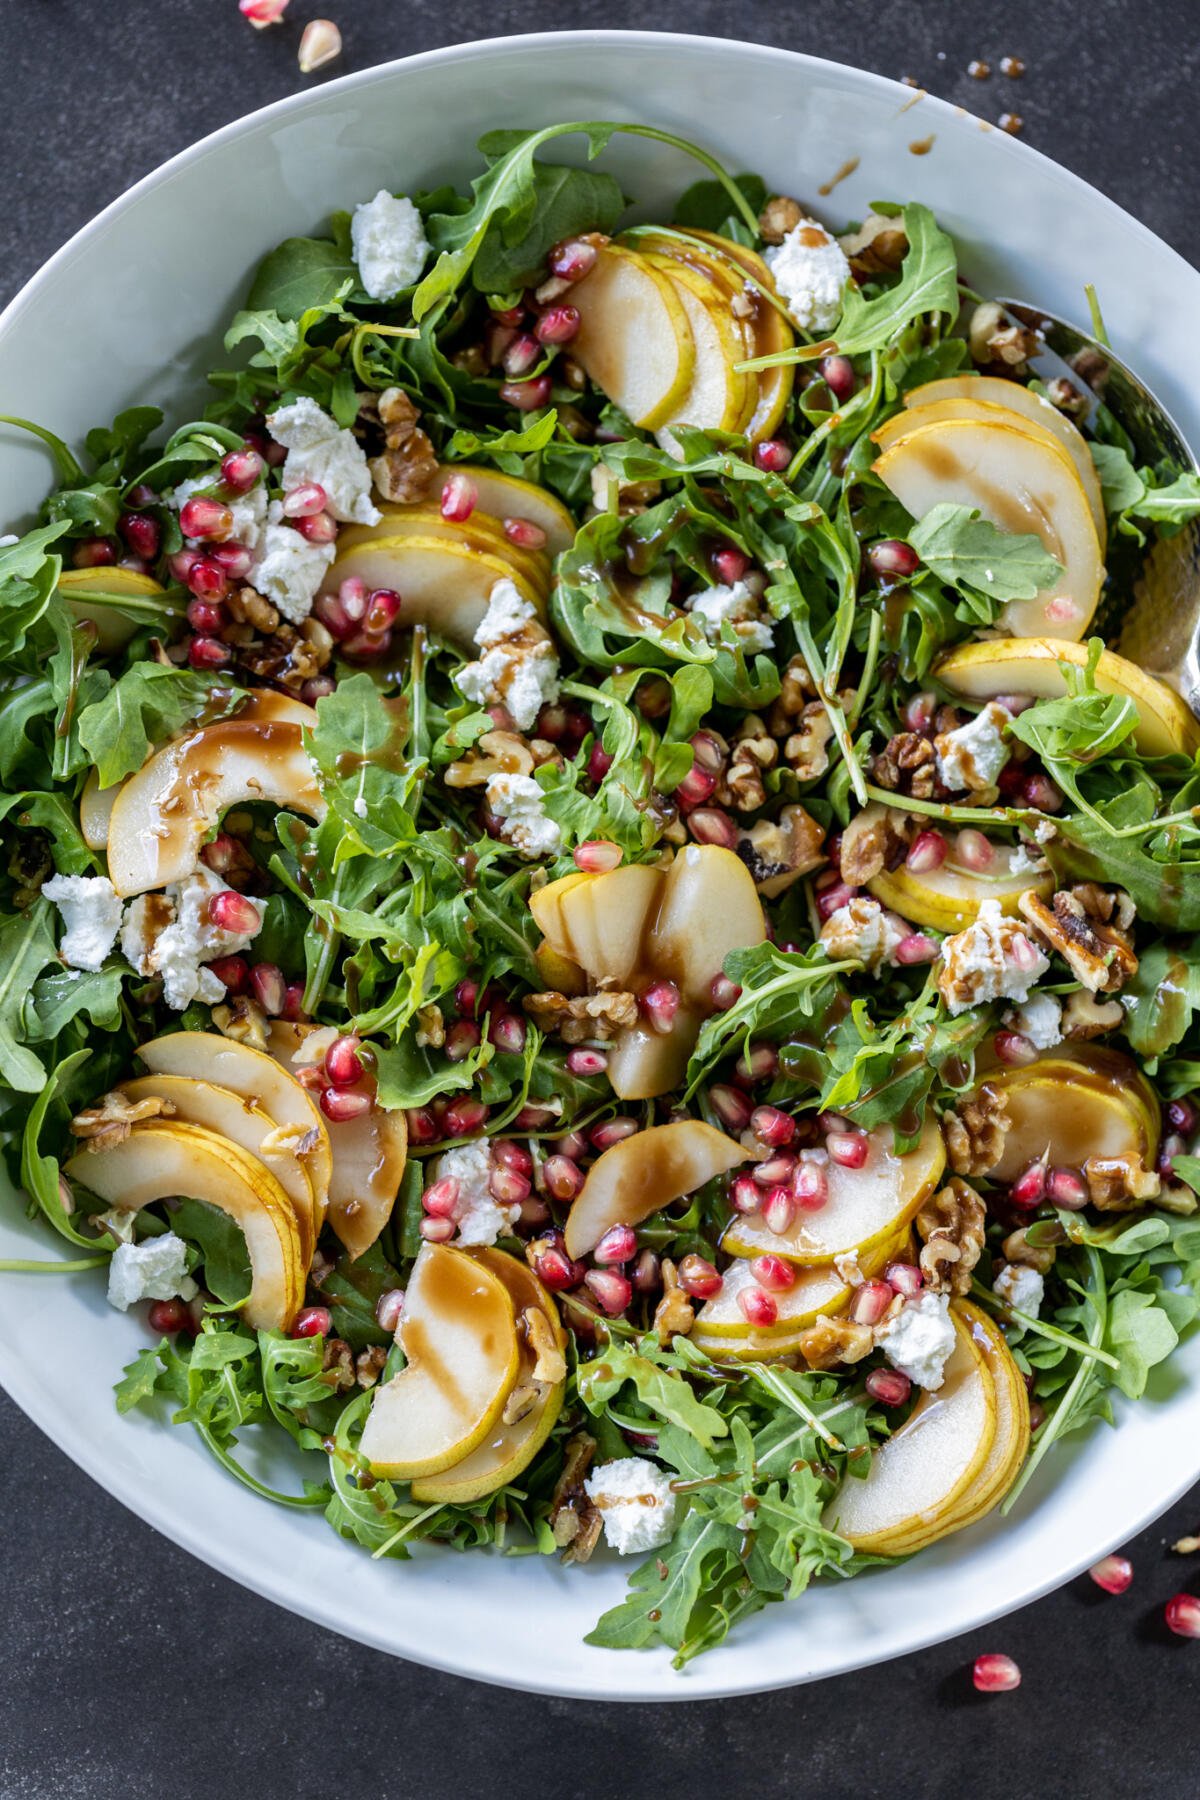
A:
132	310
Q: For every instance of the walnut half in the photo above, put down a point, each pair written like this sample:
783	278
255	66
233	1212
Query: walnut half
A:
779	851
1089	927
113	1117
952	1224
833	1341
975	1131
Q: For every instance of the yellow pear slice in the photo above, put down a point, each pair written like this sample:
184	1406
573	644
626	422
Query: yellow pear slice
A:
84	591
545	904
165	1160
908	1498
717	399
442	585
815	1292
1010	1446
1167	726
643	1063
508	1448
369	1154
255	1077
709	906
866	1207
949	898
1073	1103
165	813
508	497
634	339
562	973
478	535
991	390
718	284
459	1335
1021	484
771	332
248	1126
606	919
95	811
644	1173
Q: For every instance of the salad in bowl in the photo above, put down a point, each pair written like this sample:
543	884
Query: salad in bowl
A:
595	933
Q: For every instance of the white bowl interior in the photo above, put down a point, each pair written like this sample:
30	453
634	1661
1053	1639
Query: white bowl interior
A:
131	311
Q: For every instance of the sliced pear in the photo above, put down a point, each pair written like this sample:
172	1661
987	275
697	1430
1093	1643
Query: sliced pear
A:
255	1077
163	815
816	1291
507	497
509	1448
1073	1103
709	907
1167	725
717	399
867	1207
95	811
606	920
717	284
1010	1446
949	898
480	534
1021	484
634	339
918	1476
545	904
772	332
644	1173
369	1154
560	973
87	593
643	1063
459	1334
442	585
247	1126
990	389
164	1160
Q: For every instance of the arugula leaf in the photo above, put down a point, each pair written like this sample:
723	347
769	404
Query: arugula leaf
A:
148	703
928	283
662	1390
1141	1335
566	201
705	205
781	990
141	1380
1162	998
26	948
221	1246
968	553
302	274
1121	487
71	994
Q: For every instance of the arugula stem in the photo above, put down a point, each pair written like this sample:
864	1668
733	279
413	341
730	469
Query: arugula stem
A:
871	657
774	1384
53	1268
1057	1423
404	1530
1040	1328
306	1502
934	809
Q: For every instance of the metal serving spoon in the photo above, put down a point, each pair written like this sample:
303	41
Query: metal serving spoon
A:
1161	630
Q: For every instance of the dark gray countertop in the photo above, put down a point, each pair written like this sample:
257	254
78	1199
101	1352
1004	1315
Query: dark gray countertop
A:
131	1670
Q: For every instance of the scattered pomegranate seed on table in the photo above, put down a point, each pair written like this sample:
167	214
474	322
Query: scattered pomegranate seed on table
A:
1182	1614
1112	1573
995	1674
320	43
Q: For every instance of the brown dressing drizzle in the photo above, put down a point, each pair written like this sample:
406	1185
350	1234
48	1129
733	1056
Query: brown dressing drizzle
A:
848	167
922	146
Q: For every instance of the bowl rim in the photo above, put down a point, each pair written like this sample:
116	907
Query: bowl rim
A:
225	1556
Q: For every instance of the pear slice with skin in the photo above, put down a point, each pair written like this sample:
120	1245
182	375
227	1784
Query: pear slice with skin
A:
643	1063
634	339
163	1159
718	399
1019	483
459	1334
866	1207
718	284
1073	1103
442	585
709	906
818	1291
772	332
246	1125
918	1476
255	1077
479	534
990	389
545	904
87	593
1010	1446
1166	726
949	898
606	920
509	1448
644	1173
508	497
95	811
369	1153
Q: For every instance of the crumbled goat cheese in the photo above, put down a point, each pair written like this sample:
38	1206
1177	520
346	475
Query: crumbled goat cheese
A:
480	1218
519	669
508	613
736	605
861	931
1021	862
153	1270
91	913
10	537
919	1339
519	803
170	934
1045	831
389	244
973	755
360	807
1022	1287
993	959
1039	1019
318	449
249	510
635	1502
810	271
290	570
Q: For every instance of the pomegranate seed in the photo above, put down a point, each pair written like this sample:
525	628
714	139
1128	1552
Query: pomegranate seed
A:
207	653
888	1386
995	1674
343	1064
1067	1188
233	559
241	470
725	993
774	1273
512	1156
1042	794
1029	1189
441	1198
343	1104
525	534
533	1117
320	43
893	559
695	788
507	1033
142	533
563	1177
329	609
647	1273
660	1003
973	850
555	1268
201	517
760	1064
599	762
1182	1116
466	995
904	1278
269	988
293	1002
93	553
709	752
871	1300
927	851
776	1169
1182	1613
837	372
731	1106
612	1131
779	1210
389	1309
459	499
831	1121
616	1246
169	1317
305	500
509	1186
745	1196
465	1116
598	856
613	1291
915	948
317	528
206	617
207	579
773	455
221	854
729	564
557	325
1024	954
698	1278
573	1144
586	1062
383	609
421	1125
810	1186
573	259
918	714
710	825
1112	1573
437	1231
313	1321
232	970
772	1126
757	1306
262	13
520	356
234	913
182	564
461	1038
848	1148
1014	1048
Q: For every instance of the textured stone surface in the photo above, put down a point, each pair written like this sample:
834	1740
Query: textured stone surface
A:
131	1670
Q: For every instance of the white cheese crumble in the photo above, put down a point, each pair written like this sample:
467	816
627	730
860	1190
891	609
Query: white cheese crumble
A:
919	1339
91	913
1022	1287
481	1219
973	755
993	959
249	510
519	803
10	537
1021	862
153	1270
290	570
171	935
1039	1019
519	669
810	271
636	1504
736	605
318	449
861	931
389	244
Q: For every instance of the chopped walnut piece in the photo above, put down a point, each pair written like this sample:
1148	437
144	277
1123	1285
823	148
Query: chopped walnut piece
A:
674	1315
110	1121
874	840
1086	1017
975	1131
1119	1183
952	1224
806	750
778	852
1089	927
495	753
337	1370
520	1403
780	215
406	470
243	1021
754	752
1017	1249
431	1027
796	689
579	1020
996	339
549	1363
368	1365
878	247
248	607
833	1341
1068	398
575	1520
907	764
